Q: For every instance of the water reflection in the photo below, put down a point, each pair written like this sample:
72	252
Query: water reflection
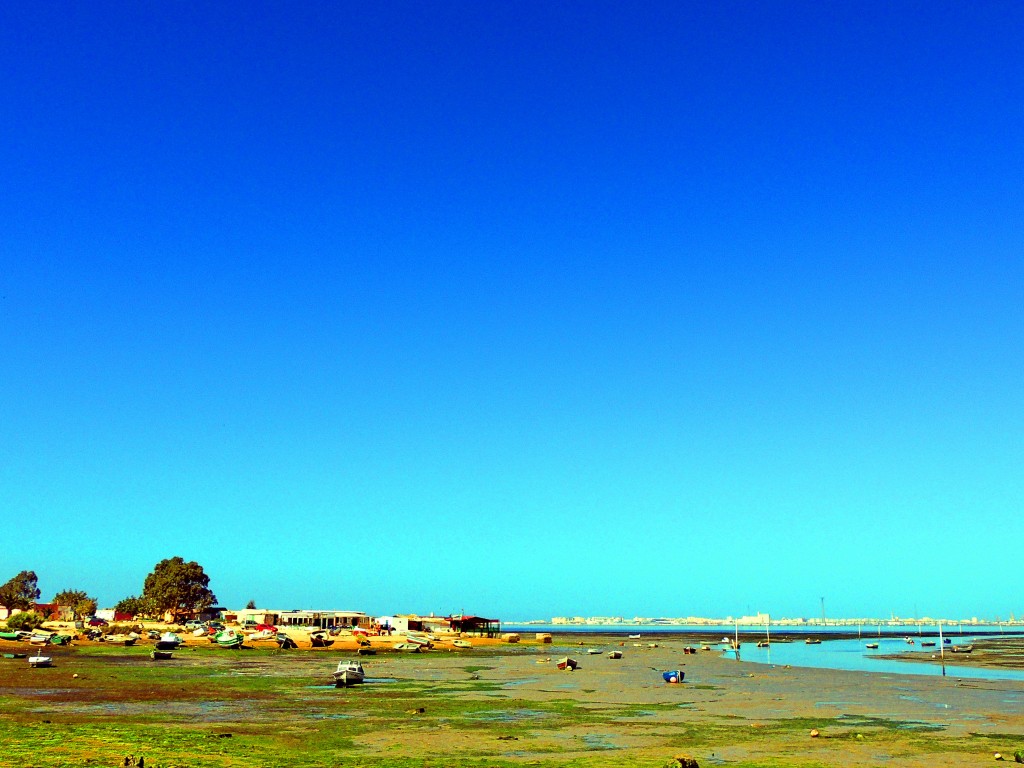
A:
855	656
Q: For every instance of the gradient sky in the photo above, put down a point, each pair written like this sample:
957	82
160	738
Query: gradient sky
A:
521	309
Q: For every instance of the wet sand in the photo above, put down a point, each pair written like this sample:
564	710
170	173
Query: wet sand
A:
509	704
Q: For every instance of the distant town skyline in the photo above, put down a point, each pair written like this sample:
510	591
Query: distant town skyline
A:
522	310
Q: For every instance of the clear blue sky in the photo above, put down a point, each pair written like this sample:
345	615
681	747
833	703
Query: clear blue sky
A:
522	309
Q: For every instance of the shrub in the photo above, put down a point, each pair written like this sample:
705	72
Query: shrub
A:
26	620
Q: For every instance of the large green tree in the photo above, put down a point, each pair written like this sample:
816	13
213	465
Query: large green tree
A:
135	606
77	600
22	591
175	585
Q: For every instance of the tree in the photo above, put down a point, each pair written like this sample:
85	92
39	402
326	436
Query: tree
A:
177	586
26	620
135	606
21	591
77	600
250	605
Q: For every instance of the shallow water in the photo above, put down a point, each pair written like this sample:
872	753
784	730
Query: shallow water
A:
852	655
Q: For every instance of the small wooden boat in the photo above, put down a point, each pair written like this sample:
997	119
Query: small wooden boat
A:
422	640
871	645
61	639
320	640
348	673
40	661
160	655
962	649
12	636
673	676
567	664
409	647
462	643
614	654
39	638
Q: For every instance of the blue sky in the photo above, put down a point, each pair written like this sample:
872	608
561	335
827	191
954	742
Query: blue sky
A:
520	309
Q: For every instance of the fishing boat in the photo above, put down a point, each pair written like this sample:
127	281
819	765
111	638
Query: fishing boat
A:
40	661
160	655
229	639
567	664
348	673
320	640
673	676
614	654
462	643
168	641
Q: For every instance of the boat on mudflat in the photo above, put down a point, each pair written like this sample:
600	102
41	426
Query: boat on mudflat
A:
40	661
229	639
161	655
673	676
348	673
567	664
168	641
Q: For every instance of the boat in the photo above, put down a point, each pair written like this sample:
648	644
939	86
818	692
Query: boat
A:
763	643
262	634
614	654
423	640
871	645
705	647
365	650
229	639
689	649
320	640
410	647
567	664
40	661
39	638
284	642
812	641
927	644
634	637
61	639
168	641
673	676
348	673
462	643
160	655
15	655
15	636
125	640
594	651
962	649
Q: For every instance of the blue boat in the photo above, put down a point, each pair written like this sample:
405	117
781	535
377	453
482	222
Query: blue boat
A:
675	676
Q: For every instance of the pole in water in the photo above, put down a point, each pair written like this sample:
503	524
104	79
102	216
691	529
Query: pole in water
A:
942	650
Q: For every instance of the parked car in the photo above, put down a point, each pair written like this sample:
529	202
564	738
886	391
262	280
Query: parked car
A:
95	622
193	624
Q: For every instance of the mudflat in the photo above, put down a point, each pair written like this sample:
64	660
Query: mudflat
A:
491	705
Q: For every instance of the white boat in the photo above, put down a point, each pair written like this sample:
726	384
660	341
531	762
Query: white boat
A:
349	673
39	638
418	639
593	651
462	643
40	661
168	641
614	654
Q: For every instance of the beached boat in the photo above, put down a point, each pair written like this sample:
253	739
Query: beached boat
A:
423	640
962	649
634	637
594	651
15	655
15	636
349	673
161	655
39	638
871	645
229	639
40	661
462	643
168	641
763	643
365	650
673	676
120	639
614	654
409	647
320	640
567	664
61	639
